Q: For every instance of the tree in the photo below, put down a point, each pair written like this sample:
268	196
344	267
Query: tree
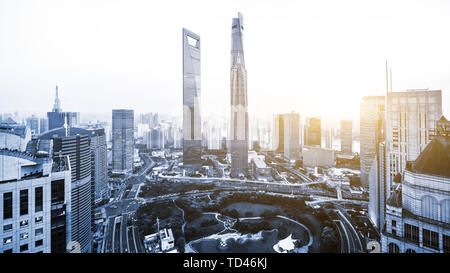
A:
180	244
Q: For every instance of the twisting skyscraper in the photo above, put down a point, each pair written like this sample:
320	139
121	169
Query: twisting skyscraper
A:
239	101
192	125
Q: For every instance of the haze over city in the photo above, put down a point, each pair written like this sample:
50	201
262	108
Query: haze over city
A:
315	58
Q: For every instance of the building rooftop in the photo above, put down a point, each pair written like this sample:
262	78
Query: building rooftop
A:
12	128
435	158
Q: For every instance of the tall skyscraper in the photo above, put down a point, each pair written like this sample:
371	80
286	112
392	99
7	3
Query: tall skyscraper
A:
313	131
239	101
192	124
123	140
371	126
35	192
346	136
410	125
99	163
57	118
74	143
286	134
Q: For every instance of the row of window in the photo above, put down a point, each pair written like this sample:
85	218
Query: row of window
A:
23	202
23	223
429	238
23	235
24	247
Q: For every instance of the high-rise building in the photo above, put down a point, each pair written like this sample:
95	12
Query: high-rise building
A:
371	126
286	135
410	125
192	126
33	123
35	193
239	101
155	139
346	136
313	132
43	125
418	211
123	140
99	163
74	143
57	118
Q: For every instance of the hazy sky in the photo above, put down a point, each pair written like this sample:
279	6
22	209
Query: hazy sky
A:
313	57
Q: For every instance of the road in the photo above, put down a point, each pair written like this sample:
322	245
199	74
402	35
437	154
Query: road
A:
350	240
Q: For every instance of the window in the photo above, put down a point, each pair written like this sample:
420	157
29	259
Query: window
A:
23	247
8	251
410	251
394	224
394	232
38	231
7	205
393	248
430	207
412	233
38	199
23	202
446	242
23	235
7	228
7	240
38	219
430	239
23	223
38	243
57	191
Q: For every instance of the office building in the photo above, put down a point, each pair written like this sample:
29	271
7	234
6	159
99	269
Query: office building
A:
192	126
286	135
371	132
75	144
410	125
123	140
57	118
239	102
155	139
43	125
314	156
35	197
313	132
346	136
33	123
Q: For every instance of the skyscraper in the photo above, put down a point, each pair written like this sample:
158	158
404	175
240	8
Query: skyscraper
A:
33	123
192	126
57	118
346	136
313	131
371	125
239	101
123	140
43	125
410	125
287	134
74	144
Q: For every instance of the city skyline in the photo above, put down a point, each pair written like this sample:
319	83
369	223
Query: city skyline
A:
119	68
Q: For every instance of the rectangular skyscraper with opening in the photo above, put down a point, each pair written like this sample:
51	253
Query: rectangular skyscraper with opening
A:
239	101
192	130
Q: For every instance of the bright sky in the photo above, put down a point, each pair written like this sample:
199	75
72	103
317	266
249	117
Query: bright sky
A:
313	57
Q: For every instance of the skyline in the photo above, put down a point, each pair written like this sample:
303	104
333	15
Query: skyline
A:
101	55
